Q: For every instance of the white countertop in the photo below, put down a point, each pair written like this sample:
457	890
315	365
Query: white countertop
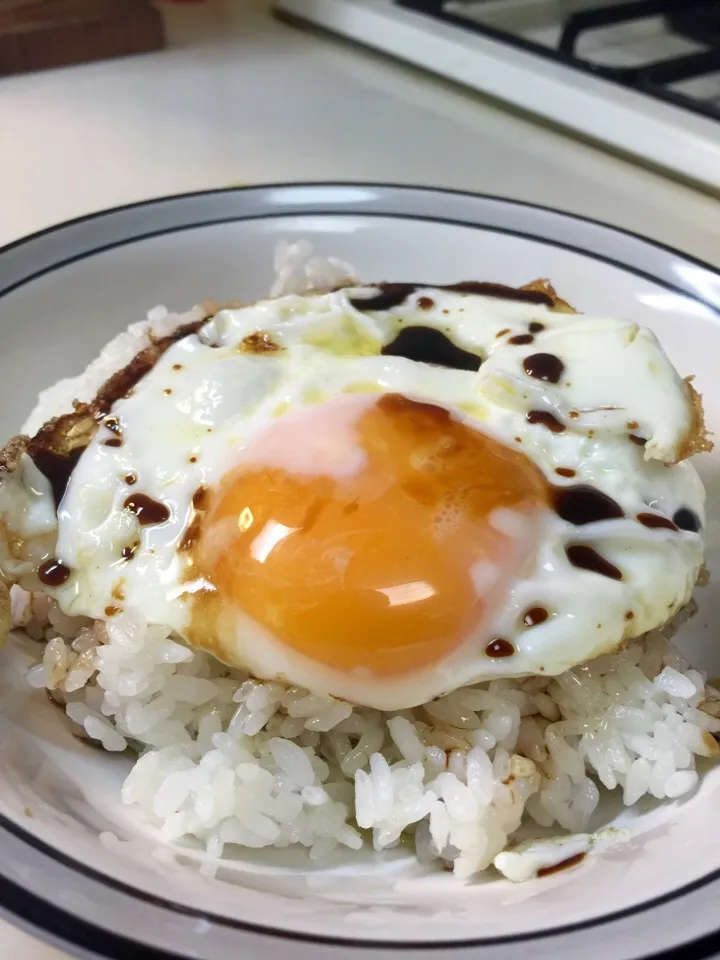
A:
240	98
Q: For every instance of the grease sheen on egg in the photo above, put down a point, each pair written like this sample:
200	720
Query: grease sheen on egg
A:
372	523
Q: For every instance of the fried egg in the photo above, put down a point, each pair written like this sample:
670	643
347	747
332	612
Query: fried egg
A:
386	493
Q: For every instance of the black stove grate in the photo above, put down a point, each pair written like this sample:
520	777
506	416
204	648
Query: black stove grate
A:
698	21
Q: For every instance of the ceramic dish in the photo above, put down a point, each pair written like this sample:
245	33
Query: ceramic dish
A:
63	294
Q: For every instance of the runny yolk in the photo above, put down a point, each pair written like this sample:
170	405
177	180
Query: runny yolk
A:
372	535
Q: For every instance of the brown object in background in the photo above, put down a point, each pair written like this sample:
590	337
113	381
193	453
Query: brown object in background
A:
38	34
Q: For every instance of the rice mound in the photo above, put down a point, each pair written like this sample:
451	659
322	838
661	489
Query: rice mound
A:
224	759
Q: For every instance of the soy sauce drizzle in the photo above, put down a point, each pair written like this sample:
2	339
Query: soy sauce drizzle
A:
499	648
581	504
587	558
501	292
147	510
57	468
42	448
687	519
655	522
544	366
548	420
391	295
535	616
53	573
427	345
521	339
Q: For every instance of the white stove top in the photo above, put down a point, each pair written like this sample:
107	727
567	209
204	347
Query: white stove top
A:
664	134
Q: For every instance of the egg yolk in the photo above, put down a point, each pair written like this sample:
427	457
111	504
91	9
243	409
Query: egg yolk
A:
370	534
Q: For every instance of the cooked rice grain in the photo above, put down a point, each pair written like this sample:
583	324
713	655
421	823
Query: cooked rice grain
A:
225	759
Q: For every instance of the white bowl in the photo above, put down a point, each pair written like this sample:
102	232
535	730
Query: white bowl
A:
63	294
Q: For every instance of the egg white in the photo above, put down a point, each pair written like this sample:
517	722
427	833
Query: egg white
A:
188	421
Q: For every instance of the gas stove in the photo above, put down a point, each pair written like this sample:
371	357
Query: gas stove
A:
642	76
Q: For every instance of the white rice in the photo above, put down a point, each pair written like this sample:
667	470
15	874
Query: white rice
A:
225	760
298	271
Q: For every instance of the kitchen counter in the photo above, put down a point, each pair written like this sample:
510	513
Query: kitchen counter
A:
240	98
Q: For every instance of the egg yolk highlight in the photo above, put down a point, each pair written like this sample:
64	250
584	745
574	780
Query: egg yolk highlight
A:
372	534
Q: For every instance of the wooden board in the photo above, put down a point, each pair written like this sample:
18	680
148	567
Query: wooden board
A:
38	34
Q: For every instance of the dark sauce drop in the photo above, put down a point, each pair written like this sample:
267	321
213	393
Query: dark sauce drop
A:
536	327
53	573
426	345
129	552
534	616
638	441
687	519
113	425
499	648
521	339
563	865
147	510
544	366
583	504
548	420
130	479
655	522
114	442
388	295
501	292
587	558
425	303
565	472
56	468
391	295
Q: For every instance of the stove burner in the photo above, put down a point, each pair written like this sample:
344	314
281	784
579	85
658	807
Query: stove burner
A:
696	20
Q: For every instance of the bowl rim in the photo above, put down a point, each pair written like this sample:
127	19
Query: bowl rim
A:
22	903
